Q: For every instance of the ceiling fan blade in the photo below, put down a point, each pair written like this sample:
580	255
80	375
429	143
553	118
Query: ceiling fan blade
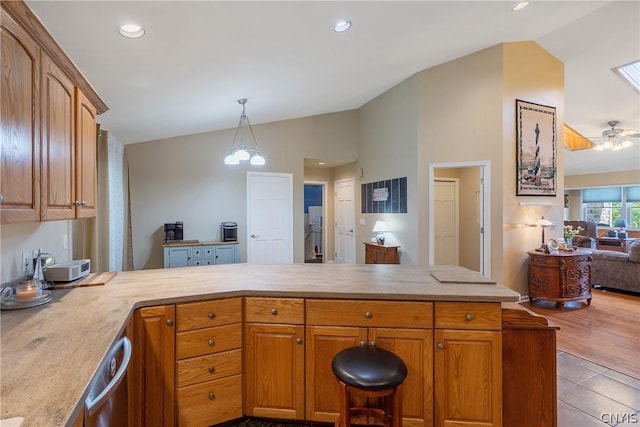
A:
575	141
629	133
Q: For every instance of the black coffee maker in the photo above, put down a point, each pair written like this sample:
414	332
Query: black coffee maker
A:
173	231
229	231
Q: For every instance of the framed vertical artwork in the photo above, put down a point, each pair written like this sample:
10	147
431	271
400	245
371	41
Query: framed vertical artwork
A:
536	149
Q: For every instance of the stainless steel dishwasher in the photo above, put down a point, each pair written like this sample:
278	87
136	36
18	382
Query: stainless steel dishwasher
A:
107	401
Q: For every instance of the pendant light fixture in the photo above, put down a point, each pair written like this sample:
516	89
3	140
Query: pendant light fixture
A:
240	151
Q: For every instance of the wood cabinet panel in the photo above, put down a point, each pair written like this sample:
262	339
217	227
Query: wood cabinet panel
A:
274	310
380	254
468	315
208	367
403	314
154	366
20	130
274	371
468	378
210	403
86	177
198	315
207	341
58	144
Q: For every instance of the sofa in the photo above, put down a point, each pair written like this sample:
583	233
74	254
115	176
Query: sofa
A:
588	234
617	270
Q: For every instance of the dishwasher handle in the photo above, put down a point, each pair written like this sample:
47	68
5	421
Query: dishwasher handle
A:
92	404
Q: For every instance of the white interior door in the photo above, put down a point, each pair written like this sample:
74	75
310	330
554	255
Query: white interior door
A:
445	208
345	222
269	218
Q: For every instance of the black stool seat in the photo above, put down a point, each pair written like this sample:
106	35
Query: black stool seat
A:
369	368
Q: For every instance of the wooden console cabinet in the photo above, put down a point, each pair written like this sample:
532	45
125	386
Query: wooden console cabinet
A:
614	244
380	254
560	276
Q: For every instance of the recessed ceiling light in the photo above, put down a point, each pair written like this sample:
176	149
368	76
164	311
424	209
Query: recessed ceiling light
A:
342	26
521	5
131	31
321	163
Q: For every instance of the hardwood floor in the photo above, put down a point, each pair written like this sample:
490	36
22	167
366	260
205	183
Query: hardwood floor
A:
607	332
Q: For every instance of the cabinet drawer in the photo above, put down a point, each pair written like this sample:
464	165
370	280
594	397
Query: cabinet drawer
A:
206	314
207	368
370	313
208	341
210	403
274	310
468	315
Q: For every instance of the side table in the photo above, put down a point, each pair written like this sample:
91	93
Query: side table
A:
380	254
560	276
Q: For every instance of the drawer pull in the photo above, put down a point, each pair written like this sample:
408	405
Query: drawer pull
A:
212	396
212	342
298	340
372	344
211	369
274	311
469	316
169	322
363	344
211	315
440	346
368	315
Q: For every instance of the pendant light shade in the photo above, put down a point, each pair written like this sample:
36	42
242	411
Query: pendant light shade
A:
244	145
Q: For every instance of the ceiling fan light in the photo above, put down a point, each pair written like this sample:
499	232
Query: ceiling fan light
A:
231	159
520	5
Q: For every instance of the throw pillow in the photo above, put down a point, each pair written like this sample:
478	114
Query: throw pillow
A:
634	251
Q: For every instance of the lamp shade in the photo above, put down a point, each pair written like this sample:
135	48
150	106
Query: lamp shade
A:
543	222
380	227
621	223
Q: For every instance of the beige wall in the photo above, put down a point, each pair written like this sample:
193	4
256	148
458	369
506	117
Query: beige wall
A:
388	137
602	179
185	179
18	238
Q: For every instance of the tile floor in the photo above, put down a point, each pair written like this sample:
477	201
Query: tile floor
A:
592	395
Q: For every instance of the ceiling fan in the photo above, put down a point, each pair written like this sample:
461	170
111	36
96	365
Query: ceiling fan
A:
615	139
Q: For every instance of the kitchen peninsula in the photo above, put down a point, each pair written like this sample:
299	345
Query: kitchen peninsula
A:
50	353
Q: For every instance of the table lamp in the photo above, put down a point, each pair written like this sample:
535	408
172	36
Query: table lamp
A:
621	223
380	228
543	223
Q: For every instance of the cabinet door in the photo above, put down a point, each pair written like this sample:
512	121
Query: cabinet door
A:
19	133
154	366
57	186
226	254
322	391
415	348
468	378
86	157
274	371
179	257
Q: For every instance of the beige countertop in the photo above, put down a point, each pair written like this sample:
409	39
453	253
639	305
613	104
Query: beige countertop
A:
50	353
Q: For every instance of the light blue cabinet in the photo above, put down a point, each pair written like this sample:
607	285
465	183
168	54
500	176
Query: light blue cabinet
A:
205	253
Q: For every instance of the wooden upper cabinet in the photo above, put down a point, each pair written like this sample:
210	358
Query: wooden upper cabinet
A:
58	168
20	138
86	157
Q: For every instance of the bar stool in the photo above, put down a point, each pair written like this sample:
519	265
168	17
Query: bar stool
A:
370	372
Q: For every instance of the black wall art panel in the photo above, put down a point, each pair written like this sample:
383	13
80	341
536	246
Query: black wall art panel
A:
389	196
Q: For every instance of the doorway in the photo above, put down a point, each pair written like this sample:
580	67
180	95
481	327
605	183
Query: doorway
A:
469	206
314	220
269	218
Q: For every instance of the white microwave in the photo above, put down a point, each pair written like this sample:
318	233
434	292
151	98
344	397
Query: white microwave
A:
67	271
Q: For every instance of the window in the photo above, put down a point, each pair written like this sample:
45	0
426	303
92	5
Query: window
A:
605	205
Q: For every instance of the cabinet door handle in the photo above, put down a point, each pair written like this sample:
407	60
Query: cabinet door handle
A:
211	369
212	396
274	311
298	340
169	322
469	316
368	315
372	344
363	344
440	346
211	315
212	342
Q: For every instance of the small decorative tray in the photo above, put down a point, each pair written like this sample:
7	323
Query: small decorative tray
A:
12	303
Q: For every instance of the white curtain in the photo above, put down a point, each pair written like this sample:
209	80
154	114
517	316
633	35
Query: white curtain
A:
106	239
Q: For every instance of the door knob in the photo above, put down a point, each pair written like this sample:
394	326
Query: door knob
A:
253	236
